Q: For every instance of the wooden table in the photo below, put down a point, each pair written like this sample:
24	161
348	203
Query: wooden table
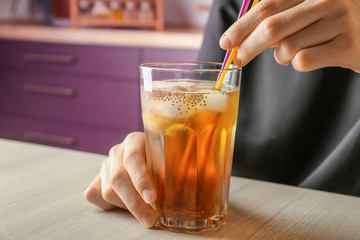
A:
41	197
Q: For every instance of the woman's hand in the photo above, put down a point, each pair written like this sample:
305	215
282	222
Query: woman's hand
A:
310	34
124	181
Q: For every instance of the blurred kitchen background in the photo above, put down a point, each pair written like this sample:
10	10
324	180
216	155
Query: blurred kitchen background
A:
69	72
178	13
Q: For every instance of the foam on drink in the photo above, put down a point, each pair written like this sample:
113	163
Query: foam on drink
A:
180	99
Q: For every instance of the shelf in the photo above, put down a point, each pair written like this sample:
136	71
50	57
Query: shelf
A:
79	20
88	21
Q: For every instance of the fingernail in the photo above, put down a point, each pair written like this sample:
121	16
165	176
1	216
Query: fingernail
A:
148	196
225	42
148	220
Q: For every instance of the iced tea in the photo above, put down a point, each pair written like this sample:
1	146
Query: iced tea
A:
190	129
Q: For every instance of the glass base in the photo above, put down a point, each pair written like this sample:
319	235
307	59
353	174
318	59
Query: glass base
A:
212	223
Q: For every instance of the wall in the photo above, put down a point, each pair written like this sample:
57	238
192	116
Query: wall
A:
181	12
21	10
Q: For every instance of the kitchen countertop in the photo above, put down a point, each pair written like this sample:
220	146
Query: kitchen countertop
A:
42	198
175	39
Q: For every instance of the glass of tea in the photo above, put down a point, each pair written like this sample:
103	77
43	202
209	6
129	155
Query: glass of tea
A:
189	132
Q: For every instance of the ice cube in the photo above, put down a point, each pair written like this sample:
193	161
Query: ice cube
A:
177	88
174	86
182	87
171	110
215	102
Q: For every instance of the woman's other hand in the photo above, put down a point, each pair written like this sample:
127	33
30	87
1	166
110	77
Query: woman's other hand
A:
124	181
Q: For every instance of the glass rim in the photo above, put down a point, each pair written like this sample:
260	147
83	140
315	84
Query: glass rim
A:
167	66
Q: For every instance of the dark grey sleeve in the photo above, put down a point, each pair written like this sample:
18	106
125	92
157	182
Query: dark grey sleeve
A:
223	13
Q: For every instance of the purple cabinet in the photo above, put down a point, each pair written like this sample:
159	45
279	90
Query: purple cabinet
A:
72	136
73	96
76	59
83	100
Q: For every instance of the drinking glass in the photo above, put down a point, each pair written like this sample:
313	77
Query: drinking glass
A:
189	135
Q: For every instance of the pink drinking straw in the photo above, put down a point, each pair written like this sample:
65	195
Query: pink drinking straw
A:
244	7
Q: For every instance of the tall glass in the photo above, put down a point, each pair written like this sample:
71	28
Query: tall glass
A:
190	131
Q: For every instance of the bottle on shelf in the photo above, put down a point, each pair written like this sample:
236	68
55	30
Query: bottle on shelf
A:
146	11
84	7
100	10
130	10
116	11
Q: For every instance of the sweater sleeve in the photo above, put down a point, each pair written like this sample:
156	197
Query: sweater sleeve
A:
223	13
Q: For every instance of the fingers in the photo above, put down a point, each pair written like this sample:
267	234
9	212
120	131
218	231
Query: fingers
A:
277	27
100	192
93	194
125	182
133	201
235	35
107	191
317	57
134	163
313	35
135	166
130	179
122	185
296	27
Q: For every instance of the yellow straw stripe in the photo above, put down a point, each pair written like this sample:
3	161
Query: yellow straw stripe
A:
228	63
230	59
254	3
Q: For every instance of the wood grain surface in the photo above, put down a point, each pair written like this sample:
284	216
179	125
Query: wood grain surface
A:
41	197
